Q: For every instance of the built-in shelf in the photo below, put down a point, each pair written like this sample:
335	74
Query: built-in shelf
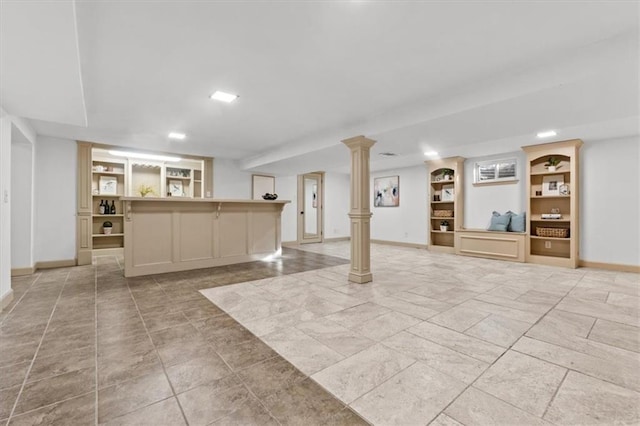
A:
550	173
106	216
538	218
179	177
535	237
439	188
554	251
108	196
107	235
108	173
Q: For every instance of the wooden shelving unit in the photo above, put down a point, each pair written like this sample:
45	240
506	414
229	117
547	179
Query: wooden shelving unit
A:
103	176
445	193
556	251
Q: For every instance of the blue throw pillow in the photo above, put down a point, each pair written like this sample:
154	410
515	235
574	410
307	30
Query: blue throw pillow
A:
499	222
518	222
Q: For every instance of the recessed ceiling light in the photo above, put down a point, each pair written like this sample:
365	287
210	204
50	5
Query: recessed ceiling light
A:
388	154
431	154
144	156
224	97
178	136
547	134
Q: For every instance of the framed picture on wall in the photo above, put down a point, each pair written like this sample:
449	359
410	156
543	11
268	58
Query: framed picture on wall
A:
386	191
551	185
262	184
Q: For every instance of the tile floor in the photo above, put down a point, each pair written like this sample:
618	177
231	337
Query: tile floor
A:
448	340
85	346
451	340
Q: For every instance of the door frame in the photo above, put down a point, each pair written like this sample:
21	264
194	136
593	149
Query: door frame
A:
320	206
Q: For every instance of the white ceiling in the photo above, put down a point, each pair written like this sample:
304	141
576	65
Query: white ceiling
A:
462	78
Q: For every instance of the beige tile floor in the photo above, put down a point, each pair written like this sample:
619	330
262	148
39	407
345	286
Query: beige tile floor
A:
455	340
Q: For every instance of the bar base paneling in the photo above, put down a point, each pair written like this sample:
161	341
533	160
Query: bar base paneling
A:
165	235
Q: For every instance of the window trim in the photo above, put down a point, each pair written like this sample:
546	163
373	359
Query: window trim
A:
495	180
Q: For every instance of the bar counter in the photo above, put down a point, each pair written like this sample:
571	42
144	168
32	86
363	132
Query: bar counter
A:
178	234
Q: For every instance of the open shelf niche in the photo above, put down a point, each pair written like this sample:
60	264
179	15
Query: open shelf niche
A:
445	201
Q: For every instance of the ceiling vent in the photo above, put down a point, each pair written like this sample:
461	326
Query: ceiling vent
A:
388	154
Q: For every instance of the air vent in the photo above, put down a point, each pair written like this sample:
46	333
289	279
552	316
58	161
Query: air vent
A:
388	154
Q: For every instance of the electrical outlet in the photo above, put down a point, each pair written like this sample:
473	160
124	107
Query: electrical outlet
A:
547	244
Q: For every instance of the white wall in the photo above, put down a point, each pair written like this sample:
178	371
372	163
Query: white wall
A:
287	189
55	203
408	222
5	205
229	181
481	201
610	201
337	188
21	203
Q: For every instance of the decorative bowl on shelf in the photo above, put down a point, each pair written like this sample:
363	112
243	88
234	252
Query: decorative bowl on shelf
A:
268	196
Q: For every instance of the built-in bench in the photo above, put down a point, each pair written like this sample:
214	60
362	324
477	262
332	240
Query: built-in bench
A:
491	244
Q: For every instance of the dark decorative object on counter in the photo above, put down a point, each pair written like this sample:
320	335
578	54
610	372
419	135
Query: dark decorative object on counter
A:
268	196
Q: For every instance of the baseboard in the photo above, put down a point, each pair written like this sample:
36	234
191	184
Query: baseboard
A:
293	244
336	239
6	299
19	272
609	266
50	264
400	244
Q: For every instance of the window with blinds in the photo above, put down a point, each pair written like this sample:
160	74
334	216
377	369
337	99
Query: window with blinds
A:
492	171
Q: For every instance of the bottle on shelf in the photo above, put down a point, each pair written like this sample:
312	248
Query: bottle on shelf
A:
101	208
112	210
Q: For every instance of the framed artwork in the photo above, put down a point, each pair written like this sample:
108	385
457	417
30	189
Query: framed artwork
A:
447	193
108	185
551	185
386	191
175	188
262	184
564	189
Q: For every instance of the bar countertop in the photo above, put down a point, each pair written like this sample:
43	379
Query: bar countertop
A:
202	200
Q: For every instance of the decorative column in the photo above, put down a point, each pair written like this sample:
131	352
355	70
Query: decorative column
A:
360	212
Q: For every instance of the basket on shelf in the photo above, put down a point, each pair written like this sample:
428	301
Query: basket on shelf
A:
443	213
552	232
